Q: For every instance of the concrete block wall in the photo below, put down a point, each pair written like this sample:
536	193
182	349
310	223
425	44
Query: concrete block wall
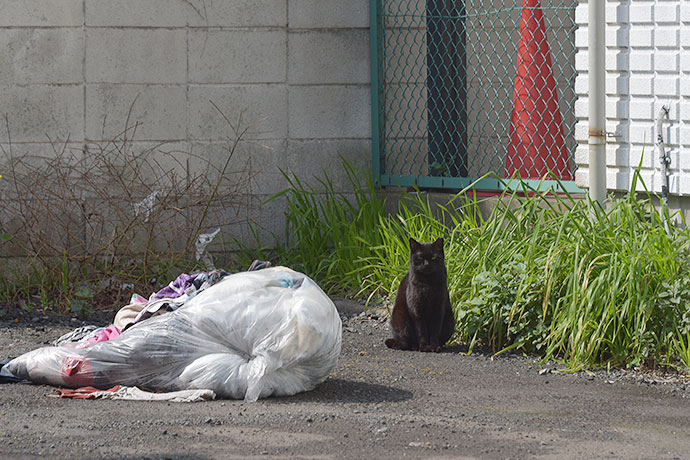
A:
647	66
75	70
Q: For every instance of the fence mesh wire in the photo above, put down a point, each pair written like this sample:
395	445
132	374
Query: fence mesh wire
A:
467	88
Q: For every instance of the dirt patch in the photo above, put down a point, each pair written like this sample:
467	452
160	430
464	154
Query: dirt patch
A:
378	403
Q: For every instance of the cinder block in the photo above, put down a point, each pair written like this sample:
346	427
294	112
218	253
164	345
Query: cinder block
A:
641	37
581	37
160	165
582	14
684	37
685	11
666	37
582	130
684	189
317	57
616	14
136	56
685	86
264	106
617	84
618	60
582	60
582	177
328	13
621	133
581	155
617	36
135	13
641	133
671	136
666	12
309	159
666	85
618	156
268	220
581	106
642	108
685	140
256	165
641	61
36	111
667	61
41	13
685	61
641	12
617	108
155	112
238	13
53	56
238	221
33	154
641	84
318	112
581	84
238	56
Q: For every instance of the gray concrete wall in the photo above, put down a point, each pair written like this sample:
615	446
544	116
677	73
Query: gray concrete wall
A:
72	72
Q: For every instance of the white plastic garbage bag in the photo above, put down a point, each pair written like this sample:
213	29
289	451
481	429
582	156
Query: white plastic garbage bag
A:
271	332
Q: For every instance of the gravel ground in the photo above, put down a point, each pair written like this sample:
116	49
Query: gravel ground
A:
378	403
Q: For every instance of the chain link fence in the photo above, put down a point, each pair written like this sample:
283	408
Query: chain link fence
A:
469	88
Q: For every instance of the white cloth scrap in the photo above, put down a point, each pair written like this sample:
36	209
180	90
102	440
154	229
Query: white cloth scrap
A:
135	394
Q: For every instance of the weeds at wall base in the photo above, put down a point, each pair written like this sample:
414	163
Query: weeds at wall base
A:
544	273
92	224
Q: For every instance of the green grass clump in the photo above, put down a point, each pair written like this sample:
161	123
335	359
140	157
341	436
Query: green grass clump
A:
543	273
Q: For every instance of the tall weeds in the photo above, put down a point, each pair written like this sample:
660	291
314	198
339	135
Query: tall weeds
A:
543	273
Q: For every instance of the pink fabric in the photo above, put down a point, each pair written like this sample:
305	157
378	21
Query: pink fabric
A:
82	393
108	333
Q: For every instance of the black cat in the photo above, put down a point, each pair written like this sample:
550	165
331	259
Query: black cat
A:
422	317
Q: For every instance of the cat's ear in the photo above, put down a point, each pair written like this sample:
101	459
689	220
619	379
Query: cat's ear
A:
413	244
439	243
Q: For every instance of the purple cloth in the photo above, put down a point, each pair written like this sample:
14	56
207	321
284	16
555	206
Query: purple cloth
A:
176	288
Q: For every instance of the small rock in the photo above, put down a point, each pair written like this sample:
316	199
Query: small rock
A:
425	445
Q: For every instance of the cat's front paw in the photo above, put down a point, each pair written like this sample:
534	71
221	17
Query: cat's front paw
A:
429	348
394	344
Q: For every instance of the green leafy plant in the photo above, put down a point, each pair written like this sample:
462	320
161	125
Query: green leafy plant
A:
81	302
543	272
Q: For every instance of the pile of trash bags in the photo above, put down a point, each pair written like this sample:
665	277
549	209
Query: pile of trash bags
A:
249	335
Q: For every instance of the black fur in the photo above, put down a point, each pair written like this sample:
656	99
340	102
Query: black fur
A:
422	317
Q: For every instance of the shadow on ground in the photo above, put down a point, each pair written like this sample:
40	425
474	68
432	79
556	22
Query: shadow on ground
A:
336	390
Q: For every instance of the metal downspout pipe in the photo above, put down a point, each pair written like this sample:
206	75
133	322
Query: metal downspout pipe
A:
597	101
